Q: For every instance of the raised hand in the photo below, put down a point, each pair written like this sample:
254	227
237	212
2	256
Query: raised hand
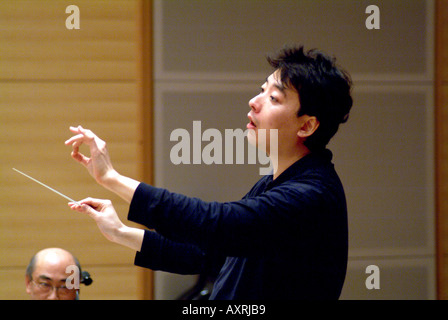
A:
99	164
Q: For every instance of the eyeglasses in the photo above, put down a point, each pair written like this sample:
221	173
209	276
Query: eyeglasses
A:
46	288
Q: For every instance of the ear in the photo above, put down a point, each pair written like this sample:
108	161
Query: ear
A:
308	126
28	284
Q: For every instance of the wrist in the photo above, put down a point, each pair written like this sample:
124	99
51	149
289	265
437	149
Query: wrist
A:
120	185
120	234
110	179
129	237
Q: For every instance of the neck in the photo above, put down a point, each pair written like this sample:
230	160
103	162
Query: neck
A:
283	161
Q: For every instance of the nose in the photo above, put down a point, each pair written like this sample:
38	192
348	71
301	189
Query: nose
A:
53	295
254	104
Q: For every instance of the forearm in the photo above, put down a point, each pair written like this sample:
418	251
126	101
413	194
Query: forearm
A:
130	237
122	186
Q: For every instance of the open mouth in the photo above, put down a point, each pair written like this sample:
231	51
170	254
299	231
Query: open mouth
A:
251	124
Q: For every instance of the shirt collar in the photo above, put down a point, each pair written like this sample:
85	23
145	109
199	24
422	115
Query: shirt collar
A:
312	159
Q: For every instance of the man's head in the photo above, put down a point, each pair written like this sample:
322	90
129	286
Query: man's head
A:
323	89
46	275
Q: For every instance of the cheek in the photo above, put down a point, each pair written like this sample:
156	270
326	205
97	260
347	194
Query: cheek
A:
274	121
284	119
287	128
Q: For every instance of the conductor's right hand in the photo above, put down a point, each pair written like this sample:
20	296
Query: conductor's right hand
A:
110	225
99	164
104	214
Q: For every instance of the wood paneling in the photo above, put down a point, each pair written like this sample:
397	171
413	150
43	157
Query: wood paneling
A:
145	94
442	147
36	44
51	78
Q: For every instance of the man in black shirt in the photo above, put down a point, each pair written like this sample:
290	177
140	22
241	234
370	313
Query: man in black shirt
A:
287	238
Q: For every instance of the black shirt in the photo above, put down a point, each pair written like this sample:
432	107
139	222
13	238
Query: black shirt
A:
286	239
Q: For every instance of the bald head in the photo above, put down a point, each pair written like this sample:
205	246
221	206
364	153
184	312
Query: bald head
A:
46	271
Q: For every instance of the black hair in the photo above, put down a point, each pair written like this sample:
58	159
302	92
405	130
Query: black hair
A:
323	89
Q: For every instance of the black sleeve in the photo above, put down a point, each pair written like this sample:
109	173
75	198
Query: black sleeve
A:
244	227
160	253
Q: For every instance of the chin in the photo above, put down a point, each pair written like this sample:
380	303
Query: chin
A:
252	137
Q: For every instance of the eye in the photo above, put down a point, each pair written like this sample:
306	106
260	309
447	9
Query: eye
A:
273	99
44	285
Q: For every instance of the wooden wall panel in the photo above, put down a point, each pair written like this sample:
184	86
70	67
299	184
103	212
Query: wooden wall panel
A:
37	45
442	146
51	78
145	94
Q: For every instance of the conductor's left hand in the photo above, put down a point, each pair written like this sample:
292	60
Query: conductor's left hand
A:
99	164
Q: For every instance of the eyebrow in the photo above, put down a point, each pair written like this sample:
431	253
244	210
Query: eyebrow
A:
280	86
44	277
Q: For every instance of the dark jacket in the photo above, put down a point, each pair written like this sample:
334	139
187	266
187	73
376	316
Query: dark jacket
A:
286	239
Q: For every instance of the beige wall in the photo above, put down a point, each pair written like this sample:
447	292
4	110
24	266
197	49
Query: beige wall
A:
209	61
51	78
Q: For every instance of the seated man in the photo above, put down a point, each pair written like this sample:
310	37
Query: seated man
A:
47	273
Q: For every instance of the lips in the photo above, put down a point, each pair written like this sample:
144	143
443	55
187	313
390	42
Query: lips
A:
251	124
